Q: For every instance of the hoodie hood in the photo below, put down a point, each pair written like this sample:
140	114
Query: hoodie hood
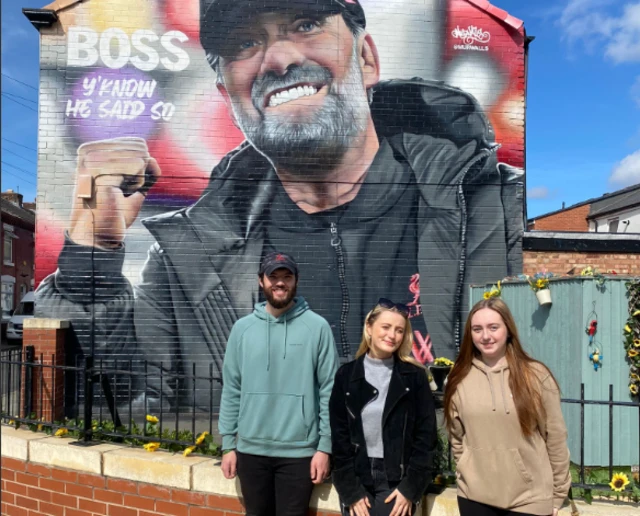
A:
492	375
299	307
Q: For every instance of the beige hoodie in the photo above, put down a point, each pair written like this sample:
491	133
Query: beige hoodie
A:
496	464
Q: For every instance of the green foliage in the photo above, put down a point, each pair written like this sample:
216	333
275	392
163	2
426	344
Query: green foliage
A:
631	337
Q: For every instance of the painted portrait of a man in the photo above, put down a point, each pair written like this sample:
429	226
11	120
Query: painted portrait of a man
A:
378	189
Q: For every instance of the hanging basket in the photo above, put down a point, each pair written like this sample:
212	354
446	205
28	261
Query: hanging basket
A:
544	296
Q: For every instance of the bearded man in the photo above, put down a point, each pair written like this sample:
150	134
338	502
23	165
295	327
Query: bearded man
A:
372	186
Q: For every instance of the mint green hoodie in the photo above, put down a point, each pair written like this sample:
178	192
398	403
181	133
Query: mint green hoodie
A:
277	378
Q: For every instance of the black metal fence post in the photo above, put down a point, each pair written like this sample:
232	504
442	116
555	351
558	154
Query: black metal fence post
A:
87	429
29	358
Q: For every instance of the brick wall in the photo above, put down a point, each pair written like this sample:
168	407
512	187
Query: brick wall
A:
30	489
574	219
563	262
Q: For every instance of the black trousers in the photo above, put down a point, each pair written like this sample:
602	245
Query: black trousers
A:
275	486
471	508
379	491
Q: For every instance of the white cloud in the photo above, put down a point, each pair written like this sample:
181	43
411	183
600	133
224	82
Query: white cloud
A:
538	192
589	22
627	171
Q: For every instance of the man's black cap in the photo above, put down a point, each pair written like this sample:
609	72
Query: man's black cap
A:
274	261
219	17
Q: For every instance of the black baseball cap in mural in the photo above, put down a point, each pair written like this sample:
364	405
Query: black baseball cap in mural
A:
219	17
274	261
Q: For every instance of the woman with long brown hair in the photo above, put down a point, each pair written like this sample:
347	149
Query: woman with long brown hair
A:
502	412
383	421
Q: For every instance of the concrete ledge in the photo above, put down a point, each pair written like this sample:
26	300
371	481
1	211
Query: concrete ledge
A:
36	323
162	468
208	478
15	443
59	452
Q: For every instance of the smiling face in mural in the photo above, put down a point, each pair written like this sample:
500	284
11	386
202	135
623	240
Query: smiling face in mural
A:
298	86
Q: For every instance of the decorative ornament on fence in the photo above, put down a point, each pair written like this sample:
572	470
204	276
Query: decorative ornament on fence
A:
493	291
539	283
595	355
631	336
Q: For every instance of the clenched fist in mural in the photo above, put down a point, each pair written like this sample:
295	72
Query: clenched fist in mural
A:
113	177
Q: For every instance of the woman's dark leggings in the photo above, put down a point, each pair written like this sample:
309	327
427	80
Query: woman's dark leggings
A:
471	508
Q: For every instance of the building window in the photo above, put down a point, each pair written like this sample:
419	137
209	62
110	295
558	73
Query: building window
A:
8	283
613	226
7	249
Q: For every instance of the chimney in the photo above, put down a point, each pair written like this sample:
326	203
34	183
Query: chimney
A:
563	205
13	197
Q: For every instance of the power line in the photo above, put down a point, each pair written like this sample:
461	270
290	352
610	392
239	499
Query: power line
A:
18	102
20	82
19	144
19	97
21	157
18	177
17	168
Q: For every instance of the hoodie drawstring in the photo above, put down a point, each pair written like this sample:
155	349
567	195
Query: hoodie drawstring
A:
493	396
285	339
504	399
268	344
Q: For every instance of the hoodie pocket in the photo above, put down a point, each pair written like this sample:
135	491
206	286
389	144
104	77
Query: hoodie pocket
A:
272	417
495	477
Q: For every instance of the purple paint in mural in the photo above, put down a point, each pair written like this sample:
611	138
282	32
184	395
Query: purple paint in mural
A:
107	103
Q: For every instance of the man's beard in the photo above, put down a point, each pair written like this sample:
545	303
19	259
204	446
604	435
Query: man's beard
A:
321	140
277	303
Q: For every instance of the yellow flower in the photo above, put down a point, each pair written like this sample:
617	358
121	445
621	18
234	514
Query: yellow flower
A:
12	422
61	431
40	428
443	361
627	328
151	447
633	353
619	482
637	312
188	451
152	419
541	283
636	343
633	389
487	295
634	377
201	439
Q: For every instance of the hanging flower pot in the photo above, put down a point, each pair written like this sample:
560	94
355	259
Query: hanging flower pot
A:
544	296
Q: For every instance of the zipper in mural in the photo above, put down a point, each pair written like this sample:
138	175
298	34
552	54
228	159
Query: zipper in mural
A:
336	243
462	265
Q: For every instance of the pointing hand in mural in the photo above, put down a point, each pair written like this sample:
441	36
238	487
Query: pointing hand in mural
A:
113	177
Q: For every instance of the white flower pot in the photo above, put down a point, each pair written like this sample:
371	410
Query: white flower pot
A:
544	296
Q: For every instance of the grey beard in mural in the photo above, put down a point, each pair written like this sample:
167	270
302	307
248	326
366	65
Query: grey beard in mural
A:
323	136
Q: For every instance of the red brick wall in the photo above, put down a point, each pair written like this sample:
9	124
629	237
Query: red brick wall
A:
30	489
563	262
568	220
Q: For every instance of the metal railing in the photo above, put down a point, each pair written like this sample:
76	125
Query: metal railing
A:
36	391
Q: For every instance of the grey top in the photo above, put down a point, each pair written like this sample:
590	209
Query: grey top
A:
377	372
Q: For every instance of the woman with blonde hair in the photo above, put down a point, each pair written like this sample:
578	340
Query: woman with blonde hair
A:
383	422
502	412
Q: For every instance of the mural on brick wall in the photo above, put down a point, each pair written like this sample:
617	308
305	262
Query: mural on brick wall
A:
379	143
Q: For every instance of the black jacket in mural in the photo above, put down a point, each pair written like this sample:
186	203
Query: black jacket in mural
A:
200	275
409	431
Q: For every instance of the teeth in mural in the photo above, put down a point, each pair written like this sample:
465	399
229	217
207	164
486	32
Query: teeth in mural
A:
291	94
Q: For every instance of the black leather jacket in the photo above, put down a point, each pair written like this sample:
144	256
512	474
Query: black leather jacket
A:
409	432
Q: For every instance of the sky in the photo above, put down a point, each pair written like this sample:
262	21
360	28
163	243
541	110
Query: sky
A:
583	98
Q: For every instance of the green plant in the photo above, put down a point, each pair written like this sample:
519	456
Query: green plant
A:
631	336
